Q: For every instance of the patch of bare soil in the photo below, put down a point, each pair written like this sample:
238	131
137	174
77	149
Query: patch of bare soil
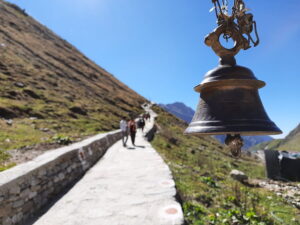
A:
30	152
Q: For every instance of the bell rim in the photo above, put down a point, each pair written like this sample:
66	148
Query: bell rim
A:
244	127
242	133
248	129
241	83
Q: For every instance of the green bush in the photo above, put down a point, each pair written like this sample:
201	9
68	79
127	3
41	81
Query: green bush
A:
193	213
209	181
235	216
3	156
61	139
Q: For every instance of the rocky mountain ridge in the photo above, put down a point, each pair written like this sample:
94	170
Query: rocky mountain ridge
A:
180	110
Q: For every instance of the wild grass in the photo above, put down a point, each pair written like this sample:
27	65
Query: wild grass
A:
19	134
201	168
44	77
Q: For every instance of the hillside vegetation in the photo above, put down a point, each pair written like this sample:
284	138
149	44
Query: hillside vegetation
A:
201	167
290	143
49	91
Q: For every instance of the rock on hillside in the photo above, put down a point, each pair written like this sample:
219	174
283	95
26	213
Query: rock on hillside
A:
186	113
45	78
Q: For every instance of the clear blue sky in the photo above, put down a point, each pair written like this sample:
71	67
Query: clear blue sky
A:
156	46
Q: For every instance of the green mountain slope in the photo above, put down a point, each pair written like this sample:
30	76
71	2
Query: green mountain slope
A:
201	168
49	91
290	143
48	88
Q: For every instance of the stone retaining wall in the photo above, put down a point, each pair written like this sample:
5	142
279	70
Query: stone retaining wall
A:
151	133
26	188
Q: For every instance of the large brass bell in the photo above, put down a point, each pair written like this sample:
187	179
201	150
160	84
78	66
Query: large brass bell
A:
230	104
229	100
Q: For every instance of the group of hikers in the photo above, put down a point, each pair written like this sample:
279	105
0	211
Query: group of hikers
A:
130	127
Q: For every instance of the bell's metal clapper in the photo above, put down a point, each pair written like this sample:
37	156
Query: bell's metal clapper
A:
229	100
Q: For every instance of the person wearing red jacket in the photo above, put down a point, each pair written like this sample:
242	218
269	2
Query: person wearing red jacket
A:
132	130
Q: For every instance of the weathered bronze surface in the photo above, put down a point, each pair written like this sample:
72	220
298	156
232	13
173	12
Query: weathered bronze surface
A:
230	104
229	100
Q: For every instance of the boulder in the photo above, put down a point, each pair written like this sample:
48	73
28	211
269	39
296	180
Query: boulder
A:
238	175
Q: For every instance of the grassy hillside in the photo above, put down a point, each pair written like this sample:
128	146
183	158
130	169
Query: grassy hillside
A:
49	90
201	167
267	145
290	143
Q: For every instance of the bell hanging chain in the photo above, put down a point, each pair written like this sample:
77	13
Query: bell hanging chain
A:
229	101
238	26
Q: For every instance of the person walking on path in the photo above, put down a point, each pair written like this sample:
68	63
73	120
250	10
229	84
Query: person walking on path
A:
132	130
141	123
147	116
124	129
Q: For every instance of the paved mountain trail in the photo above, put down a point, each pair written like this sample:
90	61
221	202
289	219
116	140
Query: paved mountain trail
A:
128	186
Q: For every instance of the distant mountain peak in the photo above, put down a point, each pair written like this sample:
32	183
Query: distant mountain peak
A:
180	110
180	104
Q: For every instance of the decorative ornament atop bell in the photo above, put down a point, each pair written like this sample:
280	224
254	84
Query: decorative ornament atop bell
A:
229	100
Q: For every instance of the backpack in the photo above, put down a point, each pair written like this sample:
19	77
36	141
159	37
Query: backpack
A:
142	122
132	127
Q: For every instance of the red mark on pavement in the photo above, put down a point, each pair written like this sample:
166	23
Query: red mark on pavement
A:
171	211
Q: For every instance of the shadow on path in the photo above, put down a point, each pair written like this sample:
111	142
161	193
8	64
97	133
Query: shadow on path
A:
139	146
136	146
53	200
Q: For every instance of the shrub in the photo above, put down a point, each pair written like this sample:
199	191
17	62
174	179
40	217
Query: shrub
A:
61	139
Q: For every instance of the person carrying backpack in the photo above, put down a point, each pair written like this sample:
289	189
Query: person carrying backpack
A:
141	123
132	130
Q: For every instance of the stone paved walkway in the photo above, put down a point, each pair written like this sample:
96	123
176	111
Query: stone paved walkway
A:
128	186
